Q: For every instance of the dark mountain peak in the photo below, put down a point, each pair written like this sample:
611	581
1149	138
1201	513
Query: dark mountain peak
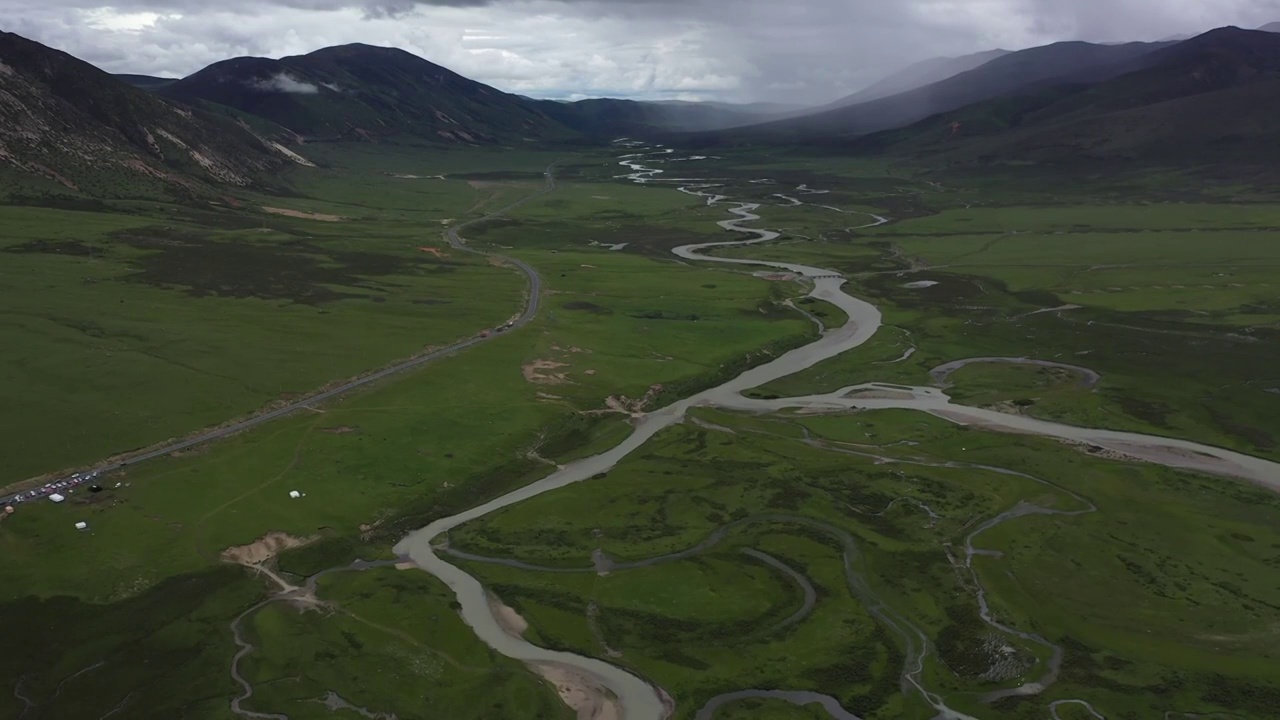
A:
244	62
1075	51
1224	52
362	50
356	47
22	54
355	55
360	91
1231	36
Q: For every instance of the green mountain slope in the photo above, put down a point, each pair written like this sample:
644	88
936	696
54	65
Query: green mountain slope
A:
146	82
1214	98
74	125
925	72
1019	71
355	91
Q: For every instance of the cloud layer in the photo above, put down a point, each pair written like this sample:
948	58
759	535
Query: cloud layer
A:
799	51
286	84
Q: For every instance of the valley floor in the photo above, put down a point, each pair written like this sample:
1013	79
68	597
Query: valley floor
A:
878	562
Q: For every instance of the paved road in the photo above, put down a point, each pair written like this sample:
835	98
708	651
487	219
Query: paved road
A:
530	310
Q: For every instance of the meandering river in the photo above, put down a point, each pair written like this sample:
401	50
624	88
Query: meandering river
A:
639	699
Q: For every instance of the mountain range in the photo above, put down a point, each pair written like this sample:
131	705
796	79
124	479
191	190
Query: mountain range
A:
72	124
925	72
362	91
240	121
1213	99
1008	73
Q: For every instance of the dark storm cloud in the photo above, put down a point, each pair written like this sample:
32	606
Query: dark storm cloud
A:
800	50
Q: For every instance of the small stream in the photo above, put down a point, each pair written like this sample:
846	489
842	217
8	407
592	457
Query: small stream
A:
244	647
795	697
1088	378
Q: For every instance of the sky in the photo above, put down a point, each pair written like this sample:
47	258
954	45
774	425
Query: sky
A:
793	51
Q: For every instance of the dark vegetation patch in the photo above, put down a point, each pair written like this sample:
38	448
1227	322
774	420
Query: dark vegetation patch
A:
495	175
297	270
1156	413
333	551
652	240
172	636
962	643
58	201
590	307
1241	695
663	635
664	315
866	677
955	294
220	219
54	247
1255	435
1087	667
608	227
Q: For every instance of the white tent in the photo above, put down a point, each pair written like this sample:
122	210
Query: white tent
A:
295	494
82	526
56	498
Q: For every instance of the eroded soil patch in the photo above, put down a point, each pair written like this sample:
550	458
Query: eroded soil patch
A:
537	372
304	215
265	548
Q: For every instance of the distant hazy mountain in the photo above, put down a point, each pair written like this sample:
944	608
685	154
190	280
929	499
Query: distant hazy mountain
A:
146	82
1214	98
355	91
608	117
919	74
1014	72
1271	27
67	121
755	108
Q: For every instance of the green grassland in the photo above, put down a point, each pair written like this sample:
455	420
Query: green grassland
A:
770	710
123	332
230	308
1073	218
141	321
386	641
380	462
1143	298
362	458
1159	642
1208	277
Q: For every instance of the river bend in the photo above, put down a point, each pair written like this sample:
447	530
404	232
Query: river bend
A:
639	699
